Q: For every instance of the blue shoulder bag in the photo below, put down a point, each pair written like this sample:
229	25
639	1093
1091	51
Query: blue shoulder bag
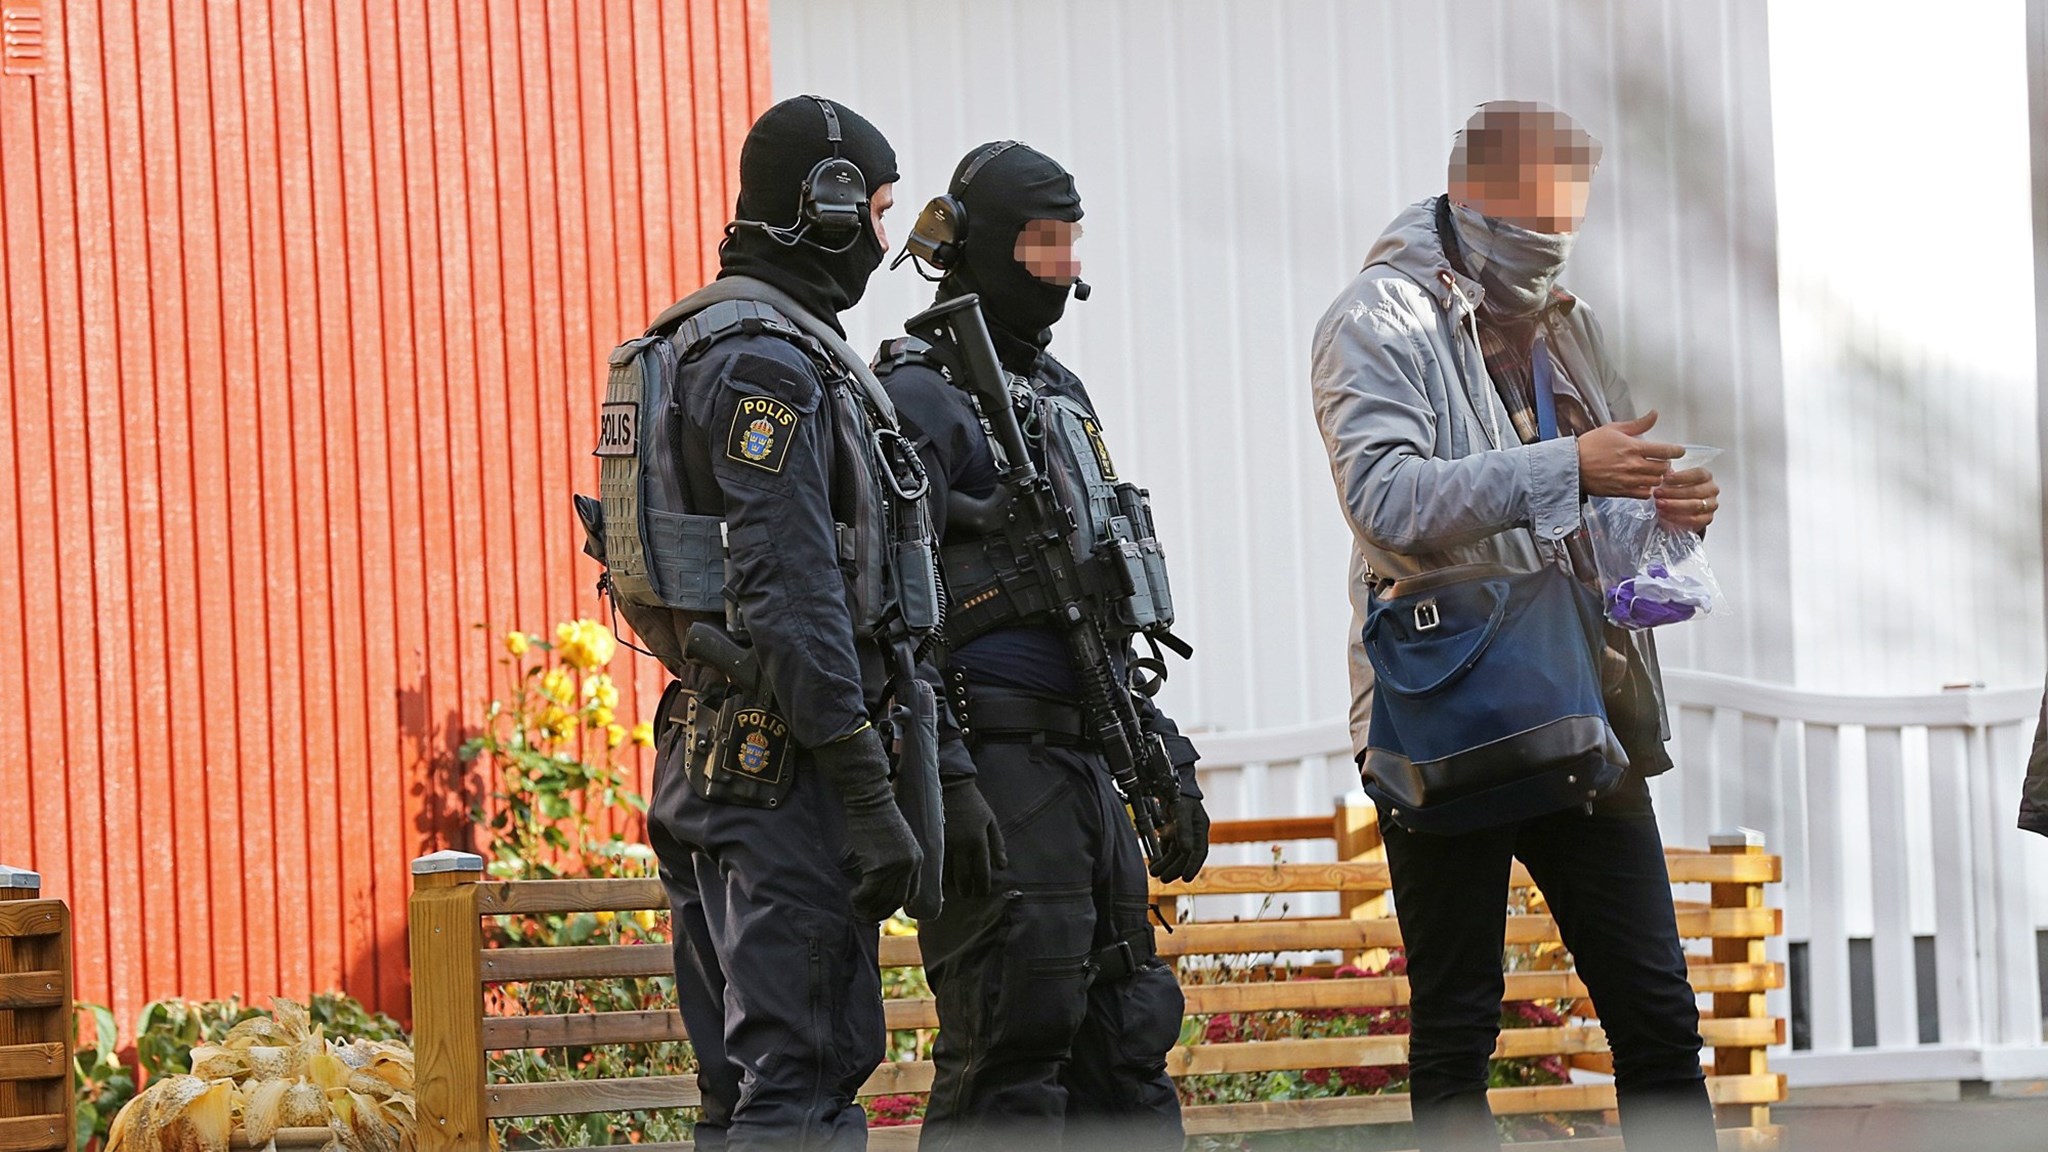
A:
1487	705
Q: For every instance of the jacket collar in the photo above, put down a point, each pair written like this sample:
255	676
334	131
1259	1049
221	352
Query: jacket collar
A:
1412	246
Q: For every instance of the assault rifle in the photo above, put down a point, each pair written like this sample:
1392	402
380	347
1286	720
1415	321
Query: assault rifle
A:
1037	528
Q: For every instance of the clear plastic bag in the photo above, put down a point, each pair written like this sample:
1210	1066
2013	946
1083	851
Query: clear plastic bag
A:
1651	575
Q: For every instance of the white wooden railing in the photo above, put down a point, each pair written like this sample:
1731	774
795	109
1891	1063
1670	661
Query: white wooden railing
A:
1914	909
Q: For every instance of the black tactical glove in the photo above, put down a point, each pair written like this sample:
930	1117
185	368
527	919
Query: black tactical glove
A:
876	832
1184	841
974	843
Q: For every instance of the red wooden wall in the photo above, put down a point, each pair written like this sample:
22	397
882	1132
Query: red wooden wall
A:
307	304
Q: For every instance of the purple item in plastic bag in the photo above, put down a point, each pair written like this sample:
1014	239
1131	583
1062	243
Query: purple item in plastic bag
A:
1656	598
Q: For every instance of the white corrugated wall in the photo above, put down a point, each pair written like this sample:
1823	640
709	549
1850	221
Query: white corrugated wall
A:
1906	258
1236	161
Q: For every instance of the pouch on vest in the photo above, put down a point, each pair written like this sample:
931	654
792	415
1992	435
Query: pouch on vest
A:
658	554
1113	518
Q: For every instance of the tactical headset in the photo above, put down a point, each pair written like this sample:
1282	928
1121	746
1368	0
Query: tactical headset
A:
832	195
939	237
940	234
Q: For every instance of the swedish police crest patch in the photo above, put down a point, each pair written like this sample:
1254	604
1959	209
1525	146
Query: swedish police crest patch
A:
761	430
758	745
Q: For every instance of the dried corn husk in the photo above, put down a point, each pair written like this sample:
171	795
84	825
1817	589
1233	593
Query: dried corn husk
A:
218	1062
305	1106
176	1114
203	1124
258	1031
359	1117
263	1110
270	1074
328	1071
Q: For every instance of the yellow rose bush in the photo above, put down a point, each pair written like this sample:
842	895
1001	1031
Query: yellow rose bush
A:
560	796
559	804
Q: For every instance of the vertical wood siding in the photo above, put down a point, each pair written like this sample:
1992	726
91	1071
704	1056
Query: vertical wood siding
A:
307	304
1238	160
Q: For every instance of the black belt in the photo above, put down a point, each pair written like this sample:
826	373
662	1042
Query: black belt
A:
995	716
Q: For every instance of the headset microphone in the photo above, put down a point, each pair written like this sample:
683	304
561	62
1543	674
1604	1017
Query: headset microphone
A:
1081	289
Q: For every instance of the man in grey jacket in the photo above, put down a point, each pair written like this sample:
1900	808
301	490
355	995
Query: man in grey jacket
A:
1424	390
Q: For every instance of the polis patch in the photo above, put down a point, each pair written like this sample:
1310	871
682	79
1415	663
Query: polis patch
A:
761	431
618	429
758	746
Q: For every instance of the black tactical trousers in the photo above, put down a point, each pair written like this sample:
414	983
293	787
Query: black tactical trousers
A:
1604	878
1051	1034
776	979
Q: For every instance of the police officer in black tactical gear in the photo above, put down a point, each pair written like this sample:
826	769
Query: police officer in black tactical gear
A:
761	527
1055	1014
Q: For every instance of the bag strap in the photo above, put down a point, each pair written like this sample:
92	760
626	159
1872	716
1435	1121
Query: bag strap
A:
1545	381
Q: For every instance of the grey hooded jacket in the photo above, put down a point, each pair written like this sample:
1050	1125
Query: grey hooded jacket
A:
1426	461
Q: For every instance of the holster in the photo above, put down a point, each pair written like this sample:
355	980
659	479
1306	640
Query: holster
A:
738	748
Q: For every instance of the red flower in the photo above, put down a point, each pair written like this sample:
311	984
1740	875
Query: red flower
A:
891	1111
1221	1029
1320	1077
1372	1079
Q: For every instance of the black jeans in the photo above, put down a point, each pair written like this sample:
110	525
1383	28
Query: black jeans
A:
1044	1041
1603	874
776	980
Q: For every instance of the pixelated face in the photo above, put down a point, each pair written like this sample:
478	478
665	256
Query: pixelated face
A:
1046	250
879	202
1530	168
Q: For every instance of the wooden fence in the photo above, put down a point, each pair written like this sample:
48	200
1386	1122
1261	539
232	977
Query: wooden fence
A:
36	1102
453	968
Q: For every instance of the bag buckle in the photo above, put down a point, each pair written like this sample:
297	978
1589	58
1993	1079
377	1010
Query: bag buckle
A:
1426	616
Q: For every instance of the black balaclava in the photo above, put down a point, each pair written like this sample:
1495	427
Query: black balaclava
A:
780	150
1019	185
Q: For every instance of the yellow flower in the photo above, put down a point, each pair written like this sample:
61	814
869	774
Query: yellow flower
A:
898	926
643	734
517	642
600	717
599	687
605	917
558	685
647	917
614	735
557	723
585	644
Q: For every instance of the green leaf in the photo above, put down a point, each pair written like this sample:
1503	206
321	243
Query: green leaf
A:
106	1035
86	1126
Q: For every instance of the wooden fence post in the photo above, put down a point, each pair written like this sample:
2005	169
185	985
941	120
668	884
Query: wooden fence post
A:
1740	950
37	1106
448	1002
